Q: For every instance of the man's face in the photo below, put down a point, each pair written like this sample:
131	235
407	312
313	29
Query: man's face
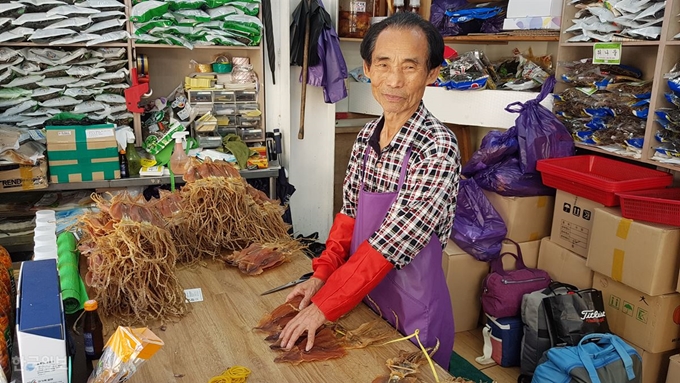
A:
398	71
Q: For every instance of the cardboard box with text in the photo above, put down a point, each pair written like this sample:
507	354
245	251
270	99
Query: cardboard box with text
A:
573	222
644	256
650	322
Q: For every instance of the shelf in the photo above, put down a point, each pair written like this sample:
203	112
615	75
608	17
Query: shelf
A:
624	43
673	42
28	44
481	38
206	47
271	171
600	150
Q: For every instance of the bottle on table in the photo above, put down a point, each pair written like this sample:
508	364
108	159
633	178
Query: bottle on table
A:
134	161
93	334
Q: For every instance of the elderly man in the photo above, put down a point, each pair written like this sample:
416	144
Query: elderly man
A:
399	199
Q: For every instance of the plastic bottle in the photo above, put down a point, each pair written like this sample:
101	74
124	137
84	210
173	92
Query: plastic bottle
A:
93	333
134	161
124	172
179	158
398	6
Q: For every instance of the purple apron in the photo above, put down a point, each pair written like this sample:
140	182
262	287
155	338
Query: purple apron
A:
417	294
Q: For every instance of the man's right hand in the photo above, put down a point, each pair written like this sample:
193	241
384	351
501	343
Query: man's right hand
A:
306	290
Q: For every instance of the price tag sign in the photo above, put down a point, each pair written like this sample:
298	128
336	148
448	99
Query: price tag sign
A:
607	53
194	295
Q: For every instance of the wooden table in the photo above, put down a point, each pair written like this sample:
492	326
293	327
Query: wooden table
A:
218	333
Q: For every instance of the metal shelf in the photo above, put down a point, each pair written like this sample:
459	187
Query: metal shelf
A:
271	171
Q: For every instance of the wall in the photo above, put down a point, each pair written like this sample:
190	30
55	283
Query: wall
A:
309	162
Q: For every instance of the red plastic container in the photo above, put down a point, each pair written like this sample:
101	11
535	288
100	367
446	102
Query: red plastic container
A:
656	205
598	178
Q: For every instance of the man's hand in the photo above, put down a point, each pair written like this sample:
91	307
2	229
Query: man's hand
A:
309	319
306	289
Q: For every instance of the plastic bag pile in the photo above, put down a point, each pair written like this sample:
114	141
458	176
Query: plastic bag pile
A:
197	22
38	83
607	106
506	160
617	20
459	17
667	140
61	22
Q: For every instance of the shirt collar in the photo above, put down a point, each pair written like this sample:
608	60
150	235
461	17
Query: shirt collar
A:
374	140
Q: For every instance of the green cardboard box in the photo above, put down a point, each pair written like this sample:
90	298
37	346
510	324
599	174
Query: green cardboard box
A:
82	153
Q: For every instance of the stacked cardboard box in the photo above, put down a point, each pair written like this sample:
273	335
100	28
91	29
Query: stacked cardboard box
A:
533	14
636	268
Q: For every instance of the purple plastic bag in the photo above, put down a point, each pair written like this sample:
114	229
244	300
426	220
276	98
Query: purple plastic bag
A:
478	229
540	134
441	21
496	145
507	179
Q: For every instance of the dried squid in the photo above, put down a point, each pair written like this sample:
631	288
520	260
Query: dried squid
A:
221	211
367	334
257	258
405	365
326	344
132	271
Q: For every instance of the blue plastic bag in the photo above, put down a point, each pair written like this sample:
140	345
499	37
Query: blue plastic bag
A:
540	134
478	229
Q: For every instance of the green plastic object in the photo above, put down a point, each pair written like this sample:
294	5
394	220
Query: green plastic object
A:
222	67
163	157
73	291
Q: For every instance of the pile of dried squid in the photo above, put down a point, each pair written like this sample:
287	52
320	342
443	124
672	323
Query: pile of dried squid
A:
134	246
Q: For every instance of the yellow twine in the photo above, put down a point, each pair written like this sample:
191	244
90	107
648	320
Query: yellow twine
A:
235	374
427	356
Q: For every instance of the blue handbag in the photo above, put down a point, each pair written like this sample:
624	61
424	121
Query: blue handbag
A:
598	358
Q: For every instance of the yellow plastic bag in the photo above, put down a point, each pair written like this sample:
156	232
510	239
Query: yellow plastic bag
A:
126	350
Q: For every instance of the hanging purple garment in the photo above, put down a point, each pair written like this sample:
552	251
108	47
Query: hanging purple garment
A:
415	297
331	71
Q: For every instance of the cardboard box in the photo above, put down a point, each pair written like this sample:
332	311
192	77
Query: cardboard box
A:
40	328
650	322
673	369
532	23
530	8
563	265
654	365
529	254
82	153
527	218
573	222
15	177
644	256
464	275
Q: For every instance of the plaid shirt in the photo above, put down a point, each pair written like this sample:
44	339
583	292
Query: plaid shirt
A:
427	202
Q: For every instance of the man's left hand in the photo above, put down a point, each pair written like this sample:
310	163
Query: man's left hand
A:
308	319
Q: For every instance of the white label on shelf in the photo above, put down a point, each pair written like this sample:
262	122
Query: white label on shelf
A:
64	133
99	133
194	295
359	6
607	53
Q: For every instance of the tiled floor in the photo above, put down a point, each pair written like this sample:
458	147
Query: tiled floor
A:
469	345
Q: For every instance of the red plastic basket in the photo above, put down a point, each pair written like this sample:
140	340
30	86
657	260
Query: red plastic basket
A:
598	178
657	205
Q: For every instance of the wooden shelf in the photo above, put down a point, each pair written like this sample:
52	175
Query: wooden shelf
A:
81	45
482	38
673	42
624	43
206	47
600	150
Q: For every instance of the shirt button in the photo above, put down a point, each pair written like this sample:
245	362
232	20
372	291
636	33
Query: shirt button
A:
379	165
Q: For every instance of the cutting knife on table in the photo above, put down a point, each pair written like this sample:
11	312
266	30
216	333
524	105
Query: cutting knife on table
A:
289	284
